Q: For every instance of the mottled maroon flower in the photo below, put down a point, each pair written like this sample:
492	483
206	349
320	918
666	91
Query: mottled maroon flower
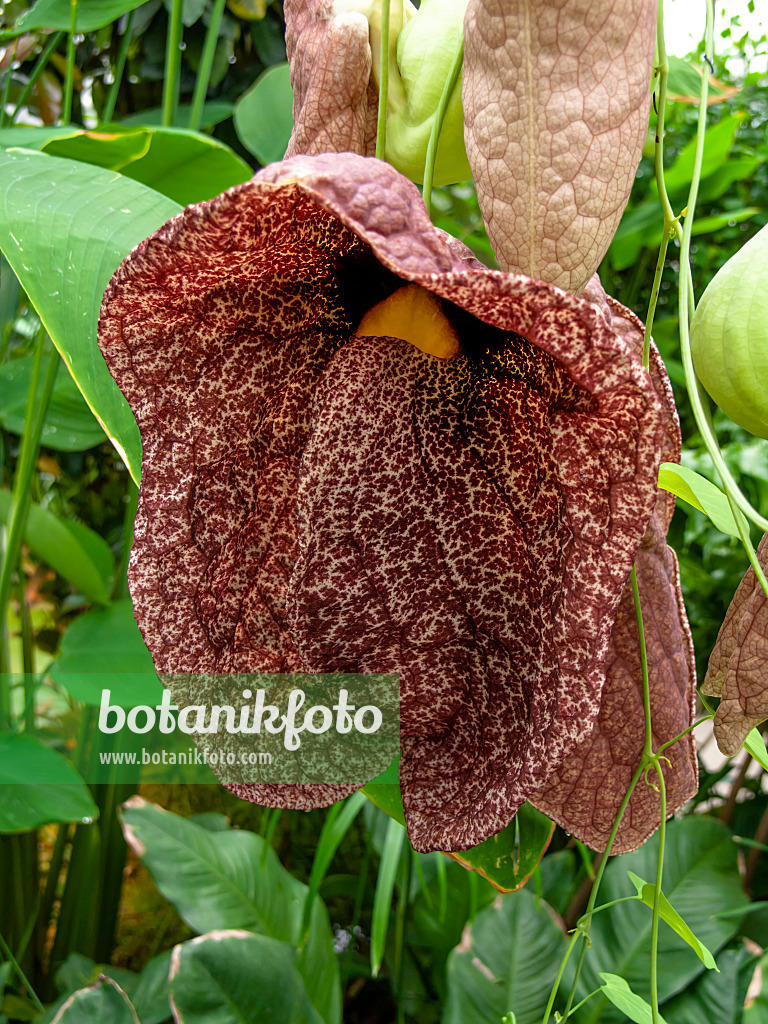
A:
312	500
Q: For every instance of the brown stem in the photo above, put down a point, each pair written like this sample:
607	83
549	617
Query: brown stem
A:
738	782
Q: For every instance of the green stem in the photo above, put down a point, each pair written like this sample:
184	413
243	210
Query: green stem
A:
122	55
401	923
69	82
28	657
206	63
657	897
7	86
37	406
38	69
437	125
381	120
20	974
172	66
680	735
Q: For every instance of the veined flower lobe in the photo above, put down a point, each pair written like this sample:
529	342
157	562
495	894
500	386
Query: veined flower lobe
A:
317	501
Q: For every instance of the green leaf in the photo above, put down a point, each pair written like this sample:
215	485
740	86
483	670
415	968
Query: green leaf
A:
233	977
507	960
705	225
684	79
104	1001
701	878
507	859
76	552
186	166
213	114
755	744
104	649
226	880
716	998
38	786
385	887
701	493
646	892
58	14
64	228
718	142
69	426
624	999
264	115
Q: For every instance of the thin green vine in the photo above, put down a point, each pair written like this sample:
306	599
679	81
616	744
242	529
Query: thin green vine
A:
381	120
69	81
206	64
122	55
437	125
39	68
172	66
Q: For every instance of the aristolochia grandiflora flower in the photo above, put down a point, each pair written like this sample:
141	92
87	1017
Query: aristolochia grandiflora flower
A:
366	452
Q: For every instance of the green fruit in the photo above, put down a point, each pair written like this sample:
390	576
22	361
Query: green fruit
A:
729	337
422	46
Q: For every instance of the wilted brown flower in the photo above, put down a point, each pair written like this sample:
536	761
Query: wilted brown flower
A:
738	666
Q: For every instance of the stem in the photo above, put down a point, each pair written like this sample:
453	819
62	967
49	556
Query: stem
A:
381	120
401	922
69	83
20	974
657	897
437	125
697	399
206	63
7	86
38	69
37	406
122	55
172	66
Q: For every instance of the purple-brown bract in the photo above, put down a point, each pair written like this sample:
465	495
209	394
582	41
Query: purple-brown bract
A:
468	523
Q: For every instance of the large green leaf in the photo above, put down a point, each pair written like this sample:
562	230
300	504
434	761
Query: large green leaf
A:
91	14
264	115
232	977
186	166
226	880
97	1004
507	961
507	859
69	424
700	879
716	998
213	113
77	553
64	228
103	649
38	786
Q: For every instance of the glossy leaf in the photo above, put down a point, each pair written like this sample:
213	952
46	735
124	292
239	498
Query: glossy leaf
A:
668	913
78	554
103	649
264	115
623	998
755	744
226	880
69	425
701	493
58	14
103	1001
183	165
38	786
213	113
229	977
717	998
64	227
507	960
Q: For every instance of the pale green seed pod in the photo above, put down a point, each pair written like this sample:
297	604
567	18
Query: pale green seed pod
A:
729	337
